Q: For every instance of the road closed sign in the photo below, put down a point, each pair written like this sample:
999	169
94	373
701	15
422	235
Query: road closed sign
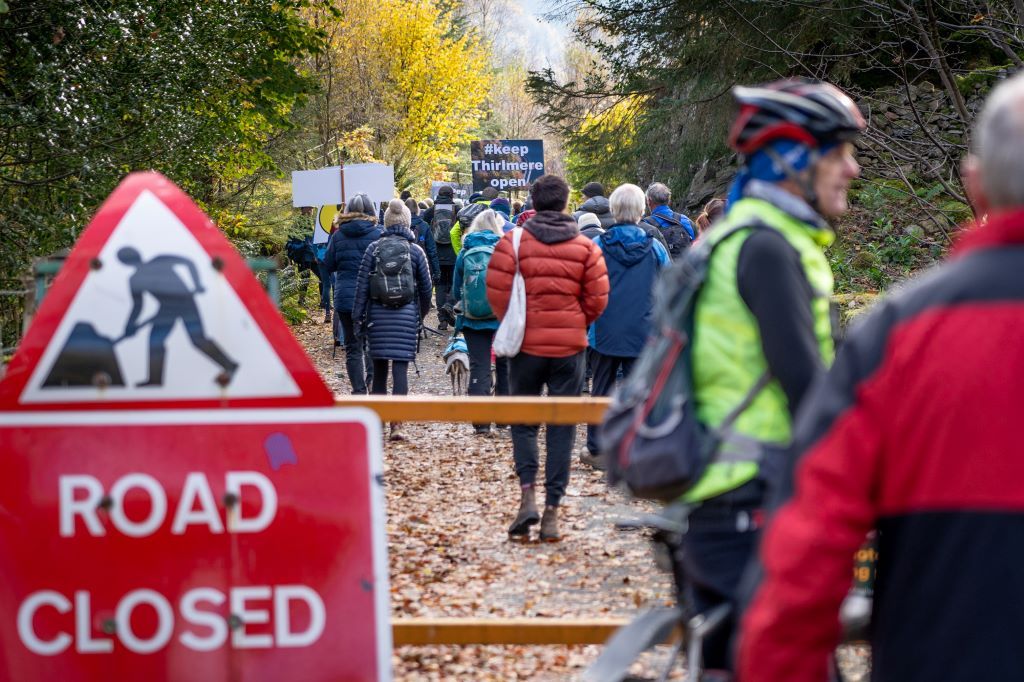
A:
180	499
193	545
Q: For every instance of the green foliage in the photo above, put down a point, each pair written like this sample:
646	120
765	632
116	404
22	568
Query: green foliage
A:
293	302
887	236
984	76
90	91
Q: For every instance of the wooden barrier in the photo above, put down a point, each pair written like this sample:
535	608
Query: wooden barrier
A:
509	410
500	409
432	631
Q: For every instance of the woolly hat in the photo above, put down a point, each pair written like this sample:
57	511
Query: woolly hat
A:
489	193
593	189
397	214
587	219
501	204
445	190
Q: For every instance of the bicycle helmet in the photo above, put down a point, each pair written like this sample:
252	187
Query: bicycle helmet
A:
803	110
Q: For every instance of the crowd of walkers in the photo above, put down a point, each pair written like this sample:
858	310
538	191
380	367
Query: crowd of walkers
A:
820	442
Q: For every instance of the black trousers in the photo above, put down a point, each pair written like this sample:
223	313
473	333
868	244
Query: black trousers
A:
399	378
605	367
478	342
720	542
443	285
357	358
528	374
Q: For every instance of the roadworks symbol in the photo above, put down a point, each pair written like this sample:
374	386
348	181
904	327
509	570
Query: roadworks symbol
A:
155	320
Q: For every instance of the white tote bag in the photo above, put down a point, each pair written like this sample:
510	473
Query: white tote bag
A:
509	337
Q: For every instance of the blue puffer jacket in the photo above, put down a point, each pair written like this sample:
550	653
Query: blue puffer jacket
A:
633	258
425	238
471	240
344	254
392	331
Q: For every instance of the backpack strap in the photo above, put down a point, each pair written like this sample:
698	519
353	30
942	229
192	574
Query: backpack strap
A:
737	447
649	220
653	219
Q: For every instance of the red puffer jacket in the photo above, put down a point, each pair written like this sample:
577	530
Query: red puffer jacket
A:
566	283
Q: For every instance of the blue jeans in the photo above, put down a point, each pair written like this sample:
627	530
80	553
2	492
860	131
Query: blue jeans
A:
326	282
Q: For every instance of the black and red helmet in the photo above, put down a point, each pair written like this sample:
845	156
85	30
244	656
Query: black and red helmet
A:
809	111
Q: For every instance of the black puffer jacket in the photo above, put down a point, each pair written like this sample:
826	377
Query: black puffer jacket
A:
392	331
599	207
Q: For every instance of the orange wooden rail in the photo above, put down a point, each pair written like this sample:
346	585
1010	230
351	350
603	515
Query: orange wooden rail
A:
431	631
500	409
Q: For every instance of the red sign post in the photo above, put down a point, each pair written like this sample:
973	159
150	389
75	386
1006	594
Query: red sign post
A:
156	540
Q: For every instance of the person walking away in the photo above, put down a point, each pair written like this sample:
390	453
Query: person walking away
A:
566	289
326	286
595	202
355	229
476	319
896	438
527	213
504	208
478	203
762	322
634	259
441	217
392	296
589	224
303	254
674	227
424	237
713	210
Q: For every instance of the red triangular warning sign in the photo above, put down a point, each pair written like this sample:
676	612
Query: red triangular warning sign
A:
154	308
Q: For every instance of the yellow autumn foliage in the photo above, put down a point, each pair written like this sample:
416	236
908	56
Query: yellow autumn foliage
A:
392	67
609	132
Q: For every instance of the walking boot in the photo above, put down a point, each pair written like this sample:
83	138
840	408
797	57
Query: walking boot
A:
549	525
527	516
594	461
396	432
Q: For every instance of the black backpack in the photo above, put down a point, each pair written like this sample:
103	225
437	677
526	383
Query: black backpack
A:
468	213
676	236
392	283
301	252
441	223
651	437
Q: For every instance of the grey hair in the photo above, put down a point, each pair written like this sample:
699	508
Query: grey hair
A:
627	204
360	203
487	221
659	194
998	144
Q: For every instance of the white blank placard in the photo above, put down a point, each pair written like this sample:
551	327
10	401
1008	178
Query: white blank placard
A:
377	180
317	187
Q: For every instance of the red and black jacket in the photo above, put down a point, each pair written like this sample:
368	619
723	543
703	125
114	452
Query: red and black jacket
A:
917	431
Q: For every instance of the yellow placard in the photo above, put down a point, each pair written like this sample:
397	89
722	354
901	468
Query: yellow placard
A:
322	227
